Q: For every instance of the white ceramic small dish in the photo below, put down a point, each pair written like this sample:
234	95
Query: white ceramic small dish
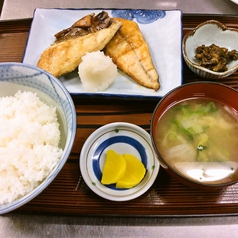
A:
122	137
161	29
207	33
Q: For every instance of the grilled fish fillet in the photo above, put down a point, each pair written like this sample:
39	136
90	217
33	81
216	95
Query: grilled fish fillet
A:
85	35
130	52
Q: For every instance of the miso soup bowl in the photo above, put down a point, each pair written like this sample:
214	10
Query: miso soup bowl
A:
199	90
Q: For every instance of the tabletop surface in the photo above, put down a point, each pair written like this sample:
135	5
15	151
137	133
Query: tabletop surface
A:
65	225
11	7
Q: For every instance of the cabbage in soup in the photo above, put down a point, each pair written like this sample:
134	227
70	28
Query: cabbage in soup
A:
199	137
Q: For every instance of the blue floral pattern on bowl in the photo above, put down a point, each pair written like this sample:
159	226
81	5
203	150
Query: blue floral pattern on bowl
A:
142	16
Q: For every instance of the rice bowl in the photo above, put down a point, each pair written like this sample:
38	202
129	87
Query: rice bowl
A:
16	77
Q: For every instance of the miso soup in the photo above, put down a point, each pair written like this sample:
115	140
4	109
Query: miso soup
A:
199	138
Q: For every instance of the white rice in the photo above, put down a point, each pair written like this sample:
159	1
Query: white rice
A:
29	144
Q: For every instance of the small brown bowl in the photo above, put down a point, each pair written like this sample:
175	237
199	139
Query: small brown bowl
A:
199	90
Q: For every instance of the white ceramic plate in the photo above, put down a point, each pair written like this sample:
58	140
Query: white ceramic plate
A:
162	34
123	138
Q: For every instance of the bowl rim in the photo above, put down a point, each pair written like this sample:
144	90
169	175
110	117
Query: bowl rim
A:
163	162
222	27
8	207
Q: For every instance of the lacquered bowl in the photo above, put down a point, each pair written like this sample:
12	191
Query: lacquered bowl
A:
199	90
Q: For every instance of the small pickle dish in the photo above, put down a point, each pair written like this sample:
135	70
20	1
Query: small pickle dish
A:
211	50
123	138
194	134
26	166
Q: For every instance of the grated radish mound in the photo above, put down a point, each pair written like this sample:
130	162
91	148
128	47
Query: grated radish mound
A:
29	144
97	71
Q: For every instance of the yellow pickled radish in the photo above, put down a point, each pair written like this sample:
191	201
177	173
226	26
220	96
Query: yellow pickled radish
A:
114	168
135	172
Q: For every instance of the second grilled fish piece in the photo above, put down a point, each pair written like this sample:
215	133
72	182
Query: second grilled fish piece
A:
130	52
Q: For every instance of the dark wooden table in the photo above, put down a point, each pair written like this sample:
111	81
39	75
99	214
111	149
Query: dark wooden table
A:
69	195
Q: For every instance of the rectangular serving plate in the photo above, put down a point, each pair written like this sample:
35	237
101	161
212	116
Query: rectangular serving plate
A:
163	36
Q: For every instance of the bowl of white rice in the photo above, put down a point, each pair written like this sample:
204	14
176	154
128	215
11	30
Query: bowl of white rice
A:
38	128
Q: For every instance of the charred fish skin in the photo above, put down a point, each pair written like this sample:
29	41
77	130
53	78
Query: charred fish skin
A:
130	52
